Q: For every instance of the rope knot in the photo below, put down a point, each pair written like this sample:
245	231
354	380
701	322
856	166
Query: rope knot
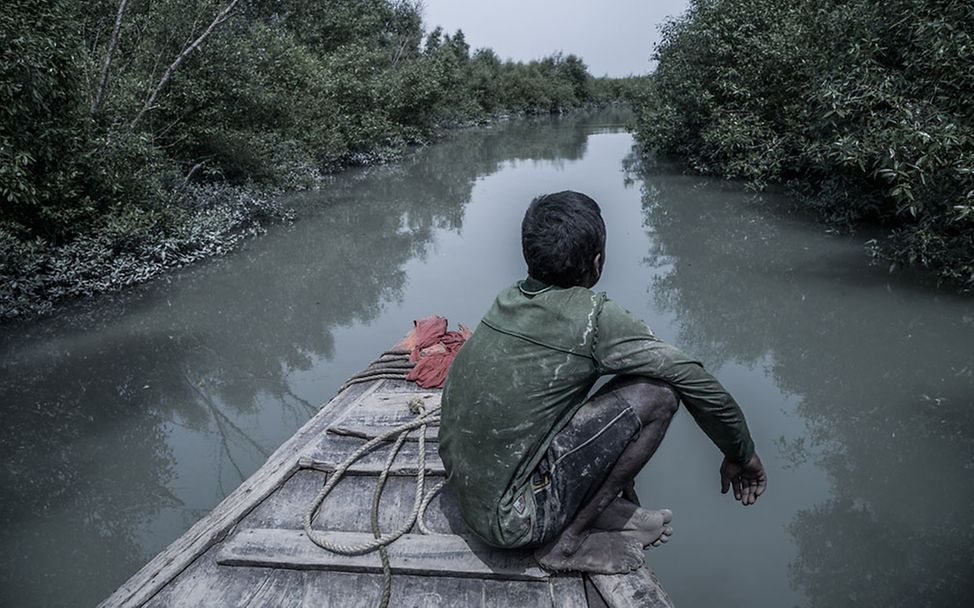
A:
416	406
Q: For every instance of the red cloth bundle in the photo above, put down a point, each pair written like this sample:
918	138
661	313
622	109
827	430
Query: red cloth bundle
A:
434	350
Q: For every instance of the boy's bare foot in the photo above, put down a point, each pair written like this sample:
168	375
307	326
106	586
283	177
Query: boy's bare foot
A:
598	552
649	527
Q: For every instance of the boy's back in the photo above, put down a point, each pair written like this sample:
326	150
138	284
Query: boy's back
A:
513	385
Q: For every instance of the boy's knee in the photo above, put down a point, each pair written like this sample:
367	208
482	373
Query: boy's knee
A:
663	400
651	399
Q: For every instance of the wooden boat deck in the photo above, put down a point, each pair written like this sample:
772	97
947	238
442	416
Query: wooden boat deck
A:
251	549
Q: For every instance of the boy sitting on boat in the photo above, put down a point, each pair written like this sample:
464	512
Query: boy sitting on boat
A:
533	459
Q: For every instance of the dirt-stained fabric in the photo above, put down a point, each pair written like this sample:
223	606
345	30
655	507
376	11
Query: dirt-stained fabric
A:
577	460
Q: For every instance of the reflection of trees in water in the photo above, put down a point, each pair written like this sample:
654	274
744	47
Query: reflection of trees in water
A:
55	469
884	373
90	396
483	151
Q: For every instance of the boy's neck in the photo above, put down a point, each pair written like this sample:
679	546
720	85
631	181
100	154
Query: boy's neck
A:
532	286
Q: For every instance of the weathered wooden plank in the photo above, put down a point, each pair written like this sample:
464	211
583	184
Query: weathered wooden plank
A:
406	386
568	591
636	589
257	587
347	508
365	431
344	508
383	412
397	398
592	595
211	529
433	555
202	584
403	465
206	584
443	513
332	450
285	507
439	591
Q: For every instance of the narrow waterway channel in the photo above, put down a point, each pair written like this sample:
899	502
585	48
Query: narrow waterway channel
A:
126	418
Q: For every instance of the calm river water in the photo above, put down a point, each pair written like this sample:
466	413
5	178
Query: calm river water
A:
127	418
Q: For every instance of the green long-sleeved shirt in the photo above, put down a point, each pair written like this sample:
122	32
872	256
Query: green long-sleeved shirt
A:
525	372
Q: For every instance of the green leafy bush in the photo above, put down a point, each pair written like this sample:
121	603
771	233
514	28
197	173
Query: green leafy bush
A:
42	116
101	169
863	107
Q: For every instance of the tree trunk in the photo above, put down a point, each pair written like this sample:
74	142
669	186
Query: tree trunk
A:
112	44
222	16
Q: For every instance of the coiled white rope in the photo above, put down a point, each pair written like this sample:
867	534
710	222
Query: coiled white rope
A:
421	502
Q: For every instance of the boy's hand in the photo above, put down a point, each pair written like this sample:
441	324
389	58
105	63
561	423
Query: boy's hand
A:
748	480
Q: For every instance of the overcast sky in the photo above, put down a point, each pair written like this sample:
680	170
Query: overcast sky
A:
614	37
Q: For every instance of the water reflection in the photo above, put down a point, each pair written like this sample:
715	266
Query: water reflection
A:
884	372
127	417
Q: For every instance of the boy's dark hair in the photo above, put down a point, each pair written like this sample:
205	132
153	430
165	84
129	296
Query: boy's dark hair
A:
560	236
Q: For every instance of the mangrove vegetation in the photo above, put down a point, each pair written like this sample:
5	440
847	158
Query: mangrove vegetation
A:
141	135
863	108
